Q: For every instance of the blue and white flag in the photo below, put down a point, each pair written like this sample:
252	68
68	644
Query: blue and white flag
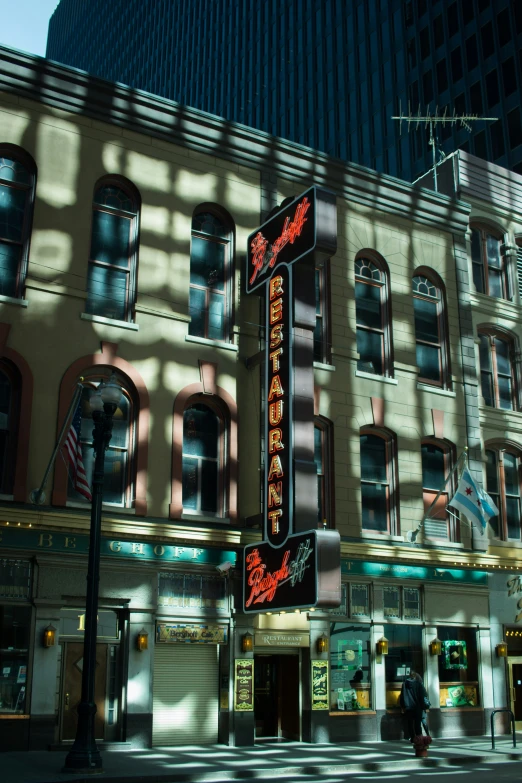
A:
473	501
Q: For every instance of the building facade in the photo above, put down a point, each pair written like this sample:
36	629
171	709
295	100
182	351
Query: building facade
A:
124	226
330	75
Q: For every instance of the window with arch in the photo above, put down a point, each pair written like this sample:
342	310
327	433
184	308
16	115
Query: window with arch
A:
323	449
10	388
17	182
118	484
209	300
497	369
322	351
111	276
378	481
430	332
372	317
437	463
203	461
504	485
490	272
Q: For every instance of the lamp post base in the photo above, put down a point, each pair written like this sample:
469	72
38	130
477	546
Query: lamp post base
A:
84	757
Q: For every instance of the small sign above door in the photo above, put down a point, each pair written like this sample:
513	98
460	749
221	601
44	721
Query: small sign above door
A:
198	634
271	639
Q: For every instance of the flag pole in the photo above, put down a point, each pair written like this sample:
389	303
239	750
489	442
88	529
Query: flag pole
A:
38	495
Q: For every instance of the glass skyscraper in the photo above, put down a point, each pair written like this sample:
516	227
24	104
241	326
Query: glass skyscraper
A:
329	74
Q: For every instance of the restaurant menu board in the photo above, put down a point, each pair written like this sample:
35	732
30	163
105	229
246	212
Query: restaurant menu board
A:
244	685
320	685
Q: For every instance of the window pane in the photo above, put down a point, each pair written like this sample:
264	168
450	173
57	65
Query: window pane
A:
9	261
391	602
486	385
491	473
428	361
12	208
107	292
120	425
493	251
503	357
200	432
433	469
511	474
207	264
350	667
318	449
114	477
513	517
359	601
495	283
412	608
209	486
426	320
505	396
370	350
404	653
110	239
190	483
373	458
368	305
111	196
209	224
216	317
197	312
374	507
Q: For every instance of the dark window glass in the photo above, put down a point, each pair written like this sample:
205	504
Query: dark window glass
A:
514	128
497	139
208	277
456	64
350	667
433	467
369	308
497	376
458	668
453	19
492	88
442	75
488	42
492	486
482	5
405	652
427	306
480	147
424	39
486	370
509	77
475	94
468	11
412	53
374	483
460	103
471	52
201	437
438	31
15	625
15	189
503	27
427	85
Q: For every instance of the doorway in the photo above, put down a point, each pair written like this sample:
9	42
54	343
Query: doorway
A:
71	691
277	696
515	689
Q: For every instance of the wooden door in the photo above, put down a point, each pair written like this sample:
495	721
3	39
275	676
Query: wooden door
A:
515	672
72	689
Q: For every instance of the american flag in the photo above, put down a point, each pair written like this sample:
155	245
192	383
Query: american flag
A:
73	450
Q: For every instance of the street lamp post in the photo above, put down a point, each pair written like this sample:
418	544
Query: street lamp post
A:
84	755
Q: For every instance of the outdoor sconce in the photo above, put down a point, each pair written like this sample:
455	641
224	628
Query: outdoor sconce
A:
436	647
247	642
502	650
382	646
322	644
49	636
142	640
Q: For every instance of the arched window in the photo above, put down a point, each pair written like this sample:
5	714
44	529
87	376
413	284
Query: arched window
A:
118	484
210	277
437	462
203	459
504	485
490	273
17	181
322	351
378	481
111	279
430	331
497	369
372	317
10	388
323	450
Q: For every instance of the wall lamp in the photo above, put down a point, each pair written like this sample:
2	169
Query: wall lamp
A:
436	647
322	644
49	636
382	646
501	650
247	642
142	640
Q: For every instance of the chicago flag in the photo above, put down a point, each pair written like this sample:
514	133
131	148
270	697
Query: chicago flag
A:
473	501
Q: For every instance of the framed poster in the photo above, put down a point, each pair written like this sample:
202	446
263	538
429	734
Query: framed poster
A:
455	655
244	685
320	685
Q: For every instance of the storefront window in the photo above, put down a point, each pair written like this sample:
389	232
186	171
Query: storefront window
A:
404	653
458	667
14	648
350	672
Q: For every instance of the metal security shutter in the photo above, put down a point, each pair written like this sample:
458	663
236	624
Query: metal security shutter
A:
185	694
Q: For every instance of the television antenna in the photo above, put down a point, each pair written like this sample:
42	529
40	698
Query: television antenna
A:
431	120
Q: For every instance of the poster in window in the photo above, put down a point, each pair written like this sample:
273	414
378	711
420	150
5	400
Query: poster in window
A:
243	685
462	696
455	655
320	685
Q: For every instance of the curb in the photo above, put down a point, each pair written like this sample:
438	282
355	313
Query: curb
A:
321	769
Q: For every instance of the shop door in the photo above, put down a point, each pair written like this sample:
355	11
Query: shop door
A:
276	696
72	689
515	680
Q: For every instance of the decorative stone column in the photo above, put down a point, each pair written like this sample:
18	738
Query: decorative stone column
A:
431	681
242	724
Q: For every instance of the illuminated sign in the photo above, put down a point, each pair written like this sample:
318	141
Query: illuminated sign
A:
244	685
294	566
191	634
320	685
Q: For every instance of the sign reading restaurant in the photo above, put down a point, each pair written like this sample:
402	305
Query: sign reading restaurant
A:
295	565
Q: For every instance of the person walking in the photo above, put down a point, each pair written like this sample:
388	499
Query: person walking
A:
412	701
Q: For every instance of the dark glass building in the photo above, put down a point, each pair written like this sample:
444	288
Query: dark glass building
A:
329	74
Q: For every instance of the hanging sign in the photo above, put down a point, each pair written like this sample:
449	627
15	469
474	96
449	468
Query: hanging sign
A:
320	687
244	685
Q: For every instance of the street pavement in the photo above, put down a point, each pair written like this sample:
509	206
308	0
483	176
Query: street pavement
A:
290	761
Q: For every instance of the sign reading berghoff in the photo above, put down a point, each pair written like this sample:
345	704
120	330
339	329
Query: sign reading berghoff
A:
296	565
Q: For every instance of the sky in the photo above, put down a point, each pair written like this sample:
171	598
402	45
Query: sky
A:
24	24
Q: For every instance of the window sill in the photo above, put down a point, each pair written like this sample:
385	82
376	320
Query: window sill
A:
323	366
338	713
436	390
190	338
187	516
511	543
380	536
374	377
105	506
13	300
100	319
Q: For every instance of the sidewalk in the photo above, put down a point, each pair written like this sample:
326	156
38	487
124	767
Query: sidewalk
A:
216	763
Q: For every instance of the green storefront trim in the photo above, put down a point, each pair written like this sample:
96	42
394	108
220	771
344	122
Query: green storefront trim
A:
420	573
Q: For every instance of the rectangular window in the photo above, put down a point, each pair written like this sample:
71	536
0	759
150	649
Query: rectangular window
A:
14	657
391	602
438	31
492	88
488	40
458	668
424	38
514	128
497	139
359	600
404	653
191	592
509	76
471	52
411	603
456	64
350	668
442	76
475	94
